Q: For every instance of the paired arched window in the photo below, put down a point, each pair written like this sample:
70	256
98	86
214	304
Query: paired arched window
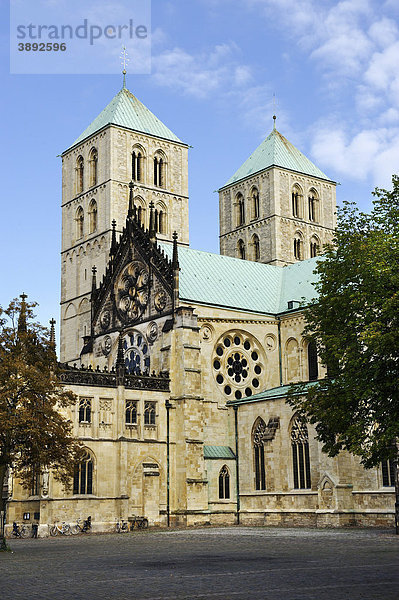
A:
149	413
240	210
255	203
313	367
296	198
80	219
256	247
131	412
83	475
313	248
160	220
159	171
259	430
79	174
300	454
298	248
93	216
241	249
85	410
93	160
137	165
224	483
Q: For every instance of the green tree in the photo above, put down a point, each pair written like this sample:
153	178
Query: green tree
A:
34	435
355	324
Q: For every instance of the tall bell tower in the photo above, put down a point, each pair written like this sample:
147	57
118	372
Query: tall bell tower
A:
125	142
278	207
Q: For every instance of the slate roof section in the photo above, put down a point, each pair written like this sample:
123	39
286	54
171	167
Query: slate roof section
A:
217	280
224	452
276	151
127	111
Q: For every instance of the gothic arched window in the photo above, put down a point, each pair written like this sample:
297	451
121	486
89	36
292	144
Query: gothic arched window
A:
240	210
256	247
79	222
313	247
93	159
255	204
83	475
85	410
300	454
312	361
224	483
131	412
159	171
137	165
298	248
241	249
149	413
313	205
79	174
259	454
93	216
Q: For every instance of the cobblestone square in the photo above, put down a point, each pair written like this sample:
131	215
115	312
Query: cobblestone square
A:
231	562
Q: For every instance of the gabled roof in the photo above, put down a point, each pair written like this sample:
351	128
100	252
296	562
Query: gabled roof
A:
217	280
274	393
276	151
127	111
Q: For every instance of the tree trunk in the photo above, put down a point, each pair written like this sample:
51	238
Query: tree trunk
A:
396	463
3	504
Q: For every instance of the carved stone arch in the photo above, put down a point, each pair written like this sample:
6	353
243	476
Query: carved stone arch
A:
161	217
93	215
254	199
70	311
79	221
326	492
141	207
314	246
297	200
160	162
84	306
255	244
298	245
239	209
313	207
93	166
85	473
258	429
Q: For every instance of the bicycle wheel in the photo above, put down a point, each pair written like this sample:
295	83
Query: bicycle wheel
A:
75	530
67	530
143	524
25	532
54	530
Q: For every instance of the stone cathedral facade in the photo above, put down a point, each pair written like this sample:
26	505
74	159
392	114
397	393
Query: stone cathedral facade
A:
181	359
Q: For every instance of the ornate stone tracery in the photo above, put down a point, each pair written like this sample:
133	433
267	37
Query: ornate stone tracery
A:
131	291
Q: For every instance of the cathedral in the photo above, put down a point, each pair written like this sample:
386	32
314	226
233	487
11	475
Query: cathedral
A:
180	359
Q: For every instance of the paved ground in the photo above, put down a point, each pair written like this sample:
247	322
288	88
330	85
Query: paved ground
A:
224	563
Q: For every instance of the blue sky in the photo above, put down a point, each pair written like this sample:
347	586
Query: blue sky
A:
215	67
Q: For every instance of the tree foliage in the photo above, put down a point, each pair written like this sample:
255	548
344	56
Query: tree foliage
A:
355	324
34	434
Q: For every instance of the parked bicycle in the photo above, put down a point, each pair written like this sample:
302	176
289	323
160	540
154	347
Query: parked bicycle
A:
20	531
79	528
64	529
138	522
122	526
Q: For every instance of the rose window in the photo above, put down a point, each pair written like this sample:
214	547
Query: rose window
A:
136	352
238	365
131	291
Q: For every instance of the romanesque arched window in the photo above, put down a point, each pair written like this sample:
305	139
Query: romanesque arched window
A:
83	475
240	210
313	366
313	205
137	165
241	249
80	218
300	454
79	174
255	203
256	247
258	432
93	216
224	483
93	160
298	248
314	245
159	171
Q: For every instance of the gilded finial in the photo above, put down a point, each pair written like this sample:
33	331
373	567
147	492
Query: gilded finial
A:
124	64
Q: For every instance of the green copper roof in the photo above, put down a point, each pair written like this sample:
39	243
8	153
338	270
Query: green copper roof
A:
127	111
277	151
272	394
223	281
224	452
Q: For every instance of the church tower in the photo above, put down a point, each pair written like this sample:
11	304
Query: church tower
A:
278	207
125	142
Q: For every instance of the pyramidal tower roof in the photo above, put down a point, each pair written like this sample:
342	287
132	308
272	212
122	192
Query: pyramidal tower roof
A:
276	151
127	111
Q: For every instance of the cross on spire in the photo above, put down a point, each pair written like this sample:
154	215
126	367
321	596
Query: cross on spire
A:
124	63
274	111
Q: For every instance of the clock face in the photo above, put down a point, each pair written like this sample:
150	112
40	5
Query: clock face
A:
131	291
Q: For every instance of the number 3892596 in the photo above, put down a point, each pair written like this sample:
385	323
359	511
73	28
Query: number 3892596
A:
42	47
